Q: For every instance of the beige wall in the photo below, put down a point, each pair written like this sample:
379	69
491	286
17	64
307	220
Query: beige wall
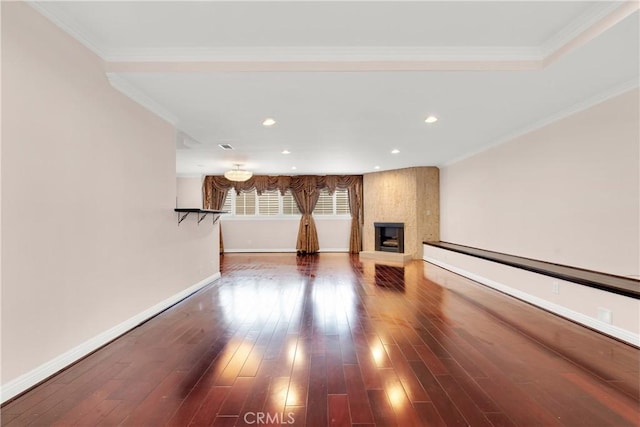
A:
1	221
89	236
189	192
571	300
568	193
408	195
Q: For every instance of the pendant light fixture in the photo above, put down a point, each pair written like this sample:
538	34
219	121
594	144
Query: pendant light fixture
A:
237	174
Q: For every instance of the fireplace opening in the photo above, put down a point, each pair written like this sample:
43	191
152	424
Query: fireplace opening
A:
389	236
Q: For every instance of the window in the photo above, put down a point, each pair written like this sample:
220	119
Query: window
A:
272	203
289	206
332	204
342	202
228	205
269	203
324	206
246	203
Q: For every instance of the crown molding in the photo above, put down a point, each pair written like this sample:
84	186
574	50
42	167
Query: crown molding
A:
586	27
324	59
187	141
334	58
578	26
190	175
70	26
122	85
325	54
320	66
567	112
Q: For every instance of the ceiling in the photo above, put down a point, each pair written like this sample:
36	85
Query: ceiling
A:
349	81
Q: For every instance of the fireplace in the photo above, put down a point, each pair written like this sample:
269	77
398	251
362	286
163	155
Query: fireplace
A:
389	236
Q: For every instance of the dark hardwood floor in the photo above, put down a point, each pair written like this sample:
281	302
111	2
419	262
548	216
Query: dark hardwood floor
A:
331	340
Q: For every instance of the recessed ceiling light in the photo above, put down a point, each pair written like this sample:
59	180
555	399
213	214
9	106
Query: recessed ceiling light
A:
286	152
395	151
431	119
268	122
376	167
293	168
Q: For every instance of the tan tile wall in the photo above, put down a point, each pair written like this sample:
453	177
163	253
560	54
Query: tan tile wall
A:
408	195
428	204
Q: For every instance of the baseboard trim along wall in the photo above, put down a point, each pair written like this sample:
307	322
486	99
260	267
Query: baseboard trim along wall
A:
44	371
591	322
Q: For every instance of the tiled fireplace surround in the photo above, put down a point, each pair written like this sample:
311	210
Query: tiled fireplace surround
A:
410	196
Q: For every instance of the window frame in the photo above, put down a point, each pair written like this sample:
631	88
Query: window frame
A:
230	205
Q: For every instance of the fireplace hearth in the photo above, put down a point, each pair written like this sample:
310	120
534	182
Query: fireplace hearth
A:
389	236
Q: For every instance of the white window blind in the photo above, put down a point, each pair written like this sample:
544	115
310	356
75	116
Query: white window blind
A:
289	206
269	203
228	202
324	206
246	203
342	202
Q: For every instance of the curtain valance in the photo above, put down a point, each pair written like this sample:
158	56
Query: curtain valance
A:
305	190
282	183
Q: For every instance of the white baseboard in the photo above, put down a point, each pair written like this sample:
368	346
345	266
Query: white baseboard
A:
605	328
44	371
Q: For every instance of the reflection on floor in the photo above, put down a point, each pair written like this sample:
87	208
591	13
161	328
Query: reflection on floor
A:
388	276
332	340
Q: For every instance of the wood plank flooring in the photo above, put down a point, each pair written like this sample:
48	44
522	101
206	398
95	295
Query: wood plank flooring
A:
330	340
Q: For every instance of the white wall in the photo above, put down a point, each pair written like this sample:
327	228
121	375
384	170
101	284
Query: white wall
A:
568	193
89	237
280	234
